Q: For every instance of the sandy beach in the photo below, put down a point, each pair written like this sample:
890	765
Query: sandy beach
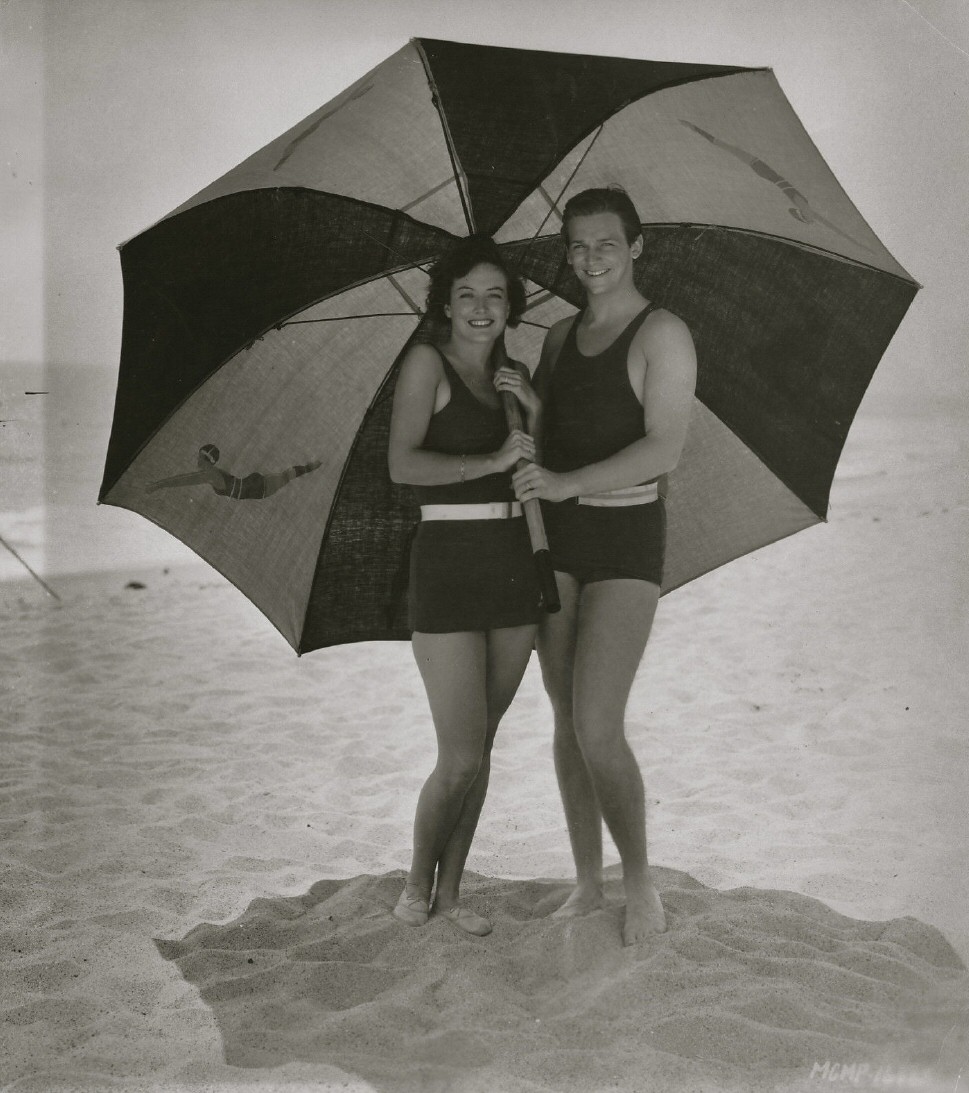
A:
204	834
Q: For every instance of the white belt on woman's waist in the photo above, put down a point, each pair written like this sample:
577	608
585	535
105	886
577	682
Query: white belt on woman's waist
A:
487	510
628	495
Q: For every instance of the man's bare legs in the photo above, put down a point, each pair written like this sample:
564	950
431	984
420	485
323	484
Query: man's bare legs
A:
470	679
556	648
590	653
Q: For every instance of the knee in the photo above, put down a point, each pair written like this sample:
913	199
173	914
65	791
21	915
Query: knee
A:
560	698
557	682
600	738
565	734
456	775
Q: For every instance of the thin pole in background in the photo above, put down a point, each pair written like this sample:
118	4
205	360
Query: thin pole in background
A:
40	580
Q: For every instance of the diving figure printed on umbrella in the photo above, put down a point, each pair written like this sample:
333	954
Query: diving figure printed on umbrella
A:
253	487
270	311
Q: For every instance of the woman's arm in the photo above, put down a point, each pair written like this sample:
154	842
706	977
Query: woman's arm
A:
667	360
415	400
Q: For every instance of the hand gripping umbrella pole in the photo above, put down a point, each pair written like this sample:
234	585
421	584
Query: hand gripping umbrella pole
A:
532	508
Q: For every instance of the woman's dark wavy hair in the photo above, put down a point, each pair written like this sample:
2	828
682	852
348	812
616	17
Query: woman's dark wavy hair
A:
458	261
603	199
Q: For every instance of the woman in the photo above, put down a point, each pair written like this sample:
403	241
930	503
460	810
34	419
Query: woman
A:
618	391
474	600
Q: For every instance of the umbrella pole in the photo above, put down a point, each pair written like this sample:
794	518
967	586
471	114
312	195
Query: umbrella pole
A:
532	508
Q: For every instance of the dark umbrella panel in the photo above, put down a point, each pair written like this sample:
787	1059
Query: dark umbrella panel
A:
265	317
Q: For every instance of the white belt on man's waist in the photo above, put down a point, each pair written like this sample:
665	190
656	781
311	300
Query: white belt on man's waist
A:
487	510
628	495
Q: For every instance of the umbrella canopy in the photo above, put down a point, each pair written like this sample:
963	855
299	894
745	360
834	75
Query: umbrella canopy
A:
265	318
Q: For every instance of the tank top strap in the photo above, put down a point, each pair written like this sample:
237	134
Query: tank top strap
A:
448	366
570	339
460	391
625	339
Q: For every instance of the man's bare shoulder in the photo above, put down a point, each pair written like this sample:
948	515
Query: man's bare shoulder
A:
666	324
664	332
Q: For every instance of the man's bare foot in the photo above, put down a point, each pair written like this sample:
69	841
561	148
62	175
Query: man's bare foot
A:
583	901
644	913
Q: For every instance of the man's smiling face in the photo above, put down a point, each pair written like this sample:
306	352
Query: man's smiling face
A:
598	252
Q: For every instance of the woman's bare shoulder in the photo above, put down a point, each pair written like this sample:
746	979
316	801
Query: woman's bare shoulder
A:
423	360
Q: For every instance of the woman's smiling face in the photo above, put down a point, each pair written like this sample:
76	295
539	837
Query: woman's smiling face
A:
479	307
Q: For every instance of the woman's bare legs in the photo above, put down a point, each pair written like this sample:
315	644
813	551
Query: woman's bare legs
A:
470	679
598	650
507	654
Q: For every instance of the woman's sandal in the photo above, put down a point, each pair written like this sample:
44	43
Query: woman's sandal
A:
466	919
412	909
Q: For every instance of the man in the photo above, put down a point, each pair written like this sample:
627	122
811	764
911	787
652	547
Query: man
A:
617	382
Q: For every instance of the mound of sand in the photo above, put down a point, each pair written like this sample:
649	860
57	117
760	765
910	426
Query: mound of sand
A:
748	990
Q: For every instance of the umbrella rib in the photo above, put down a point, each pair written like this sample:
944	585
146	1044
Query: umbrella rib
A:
553	203
430	193
826	252
406	263
536	299
407	300
460	177
343	318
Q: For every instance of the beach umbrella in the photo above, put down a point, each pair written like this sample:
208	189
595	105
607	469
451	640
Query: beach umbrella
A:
264	319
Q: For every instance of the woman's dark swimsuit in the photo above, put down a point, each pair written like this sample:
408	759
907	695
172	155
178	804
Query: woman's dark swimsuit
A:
470	574
592	412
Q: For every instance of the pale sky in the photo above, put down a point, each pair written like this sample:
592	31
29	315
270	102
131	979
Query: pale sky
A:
116	111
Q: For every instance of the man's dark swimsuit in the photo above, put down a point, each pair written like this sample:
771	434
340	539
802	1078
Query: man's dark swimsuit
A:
592	412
